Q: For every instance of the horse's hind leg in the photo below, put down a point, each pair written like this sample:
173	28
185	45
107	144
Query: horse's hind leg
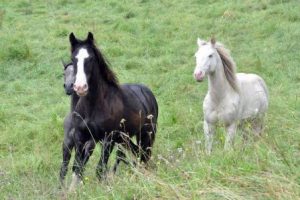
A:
230	130
146	141
257	125
242	128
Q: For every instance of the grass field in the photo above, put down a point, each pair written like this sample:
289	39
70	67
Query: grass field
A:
150	42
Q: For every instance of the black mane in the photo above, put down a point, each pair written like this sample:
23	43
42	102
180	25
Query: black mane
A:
108	75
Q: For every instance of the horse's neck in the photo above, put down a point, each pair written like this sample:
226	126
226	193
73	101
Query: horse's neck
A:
218	86
97	96
74	100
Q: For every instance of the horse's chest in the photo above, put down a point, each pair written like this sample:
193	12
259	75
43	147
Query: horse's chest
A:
225	111
97	123
108	122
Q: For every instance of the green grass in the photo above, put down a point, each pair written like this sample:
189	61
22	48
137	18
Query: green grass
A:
150	42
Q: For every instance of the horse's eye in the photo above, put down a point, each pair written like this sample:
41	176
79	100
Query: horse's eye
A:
210	56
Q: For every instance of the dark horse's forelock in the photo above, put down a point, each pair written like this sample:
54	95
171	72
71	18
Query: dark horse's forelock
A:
107	74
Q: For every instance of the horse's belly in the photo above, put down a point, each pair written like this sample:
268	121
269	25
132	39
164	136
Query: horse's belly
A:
254	97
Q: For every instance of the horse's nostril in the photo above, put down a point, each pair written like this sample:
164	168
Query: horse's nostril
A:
72	85
64	85
85	87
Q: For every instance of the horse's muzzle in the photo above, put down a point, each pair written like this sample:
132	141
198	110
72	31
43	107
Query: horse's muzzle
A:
81	90
199	76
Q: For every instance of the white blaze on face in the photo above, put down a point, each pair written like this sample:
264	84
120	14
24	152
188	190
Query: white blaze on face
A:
81	76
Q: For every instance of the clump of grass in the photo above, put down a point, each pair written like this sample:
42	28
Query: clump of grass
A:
14	49
133	65
129	15
25	7
2	14
62	33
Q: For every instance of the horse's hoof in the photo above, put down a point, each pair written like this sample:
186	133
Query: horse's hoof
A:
76	180
101	175
61	186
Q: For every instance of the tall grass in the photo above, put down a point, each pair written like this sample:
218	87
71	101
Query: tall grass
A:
150	42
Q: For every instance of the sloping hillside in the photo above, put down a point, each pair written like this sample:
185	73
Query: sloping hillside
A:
150	42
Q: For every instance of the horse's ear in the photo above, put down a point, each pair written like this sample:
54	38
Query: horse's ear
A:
213	41
200	42
73	39
90	37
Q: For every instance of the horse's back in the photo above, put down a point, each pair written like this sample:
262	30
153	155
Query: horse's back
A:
253	94
142	98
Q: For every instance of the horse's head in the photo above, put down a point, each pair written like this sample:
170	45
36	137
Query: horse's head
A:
69	78
84	61
206	59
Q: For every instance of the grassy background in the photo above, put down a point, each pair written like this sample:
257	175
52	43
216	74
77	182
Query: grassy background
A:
150	42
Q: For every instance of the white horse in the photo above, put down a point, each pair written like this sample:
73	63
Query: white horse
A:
231	97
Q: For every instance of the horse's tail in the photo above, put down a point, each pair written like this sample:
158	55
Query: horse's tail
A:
152	111
264	86
152	105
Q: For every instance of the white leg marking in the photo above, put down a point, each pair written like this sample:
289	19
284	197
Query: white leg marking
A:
75	181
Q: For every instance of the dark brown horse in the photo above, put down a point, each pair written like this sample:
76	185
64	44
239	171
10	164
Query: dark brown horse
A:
106	111
69	143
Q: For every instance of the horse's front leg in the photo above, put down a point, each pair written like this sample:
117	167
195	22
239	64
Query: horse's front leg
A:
77	168
230	131
107	147
121	156
80	160
209	131
67	147
89	147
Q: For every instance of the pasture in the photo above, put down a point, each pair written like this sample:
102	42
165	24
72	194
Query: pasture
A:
150	42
